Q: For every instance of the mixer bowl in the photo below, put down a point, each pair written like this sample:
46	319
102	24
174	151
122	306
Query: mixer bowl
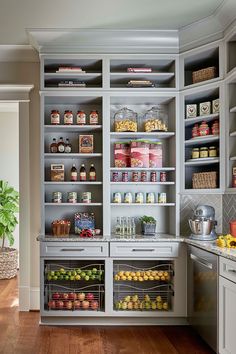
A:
201	227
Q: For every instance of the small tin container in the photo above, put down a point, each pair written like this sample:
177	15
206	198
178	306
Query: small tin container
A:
115	177
162	198
72	197
128	198
163	176
117	197
150	198
135	176
143	176
86	197
153	176
57	197
125	177
139	199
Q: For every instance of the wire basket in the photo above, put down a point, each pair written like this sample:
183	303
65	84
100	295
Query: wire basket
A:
204	180
204	74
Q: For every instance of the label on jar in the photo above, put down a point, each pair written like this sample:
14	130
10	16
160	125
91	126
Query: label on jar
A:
68	118
81	118
203	153
86	197
92	176
93	117
128	198
61	148
150	199
72	197
55	118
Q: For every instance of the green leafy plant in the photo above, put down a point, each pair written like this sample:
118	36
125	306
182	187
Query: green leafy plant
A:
9	206
147	220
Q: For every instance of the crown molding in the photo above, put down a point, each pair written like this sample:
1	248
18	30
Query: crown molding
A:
15	93
18	53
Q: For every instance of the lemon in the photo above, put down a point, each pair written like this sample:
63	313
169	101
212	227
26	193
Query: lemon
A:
135	278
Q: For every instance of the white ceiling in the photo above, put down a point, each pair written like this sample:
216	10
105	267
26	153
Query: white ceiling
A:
16	16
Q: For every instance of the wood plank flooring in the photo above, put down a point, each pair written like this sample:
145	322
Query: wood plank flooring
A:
20	333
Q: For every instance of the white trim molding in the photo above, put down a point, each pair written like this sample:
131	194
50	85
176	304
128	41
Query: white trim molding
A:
35	298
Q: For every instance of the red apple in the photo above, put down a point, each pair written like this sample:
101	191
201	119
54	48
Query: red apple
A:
77	304
85	304
81	296
52	304
68	305
56	296
65	296
89	297
59	304
94	305
72	296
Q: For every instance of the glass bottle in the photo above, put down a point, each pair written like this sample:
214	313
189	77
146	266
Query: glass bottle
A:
133	227
125	225
92	173
82	173
68	146
61	145
53	146
122	227
129	229
118	227
73	173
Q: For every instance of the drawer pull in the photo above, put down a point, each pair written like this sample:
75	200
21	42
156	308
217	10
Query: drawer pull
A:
72	249
143	250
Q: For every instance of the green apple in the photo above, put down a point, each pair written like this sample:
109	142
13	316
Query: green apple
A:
94	270
66	277
49	277
72	277
83	274
86	278
55	277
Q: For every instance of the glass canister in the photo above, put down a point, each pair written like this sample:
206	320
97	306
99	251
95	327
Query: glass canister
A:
155	119
126	120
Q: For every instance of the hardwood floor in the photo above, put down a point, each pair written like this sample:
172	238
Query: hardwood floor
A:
20	333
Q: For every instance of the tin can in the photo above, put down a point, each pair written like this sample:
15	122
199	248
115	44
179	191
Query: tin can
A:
115	177
117	198
162	198
86	197
143	176
135	176
57	197
125	177
153	176
128	198
163	177
139	198
150	198
72	197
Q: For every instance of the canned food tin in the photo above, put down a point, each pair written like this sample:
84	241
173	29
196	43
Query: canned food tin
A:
57	197
153	177
125	176
72	197
163	177
139	198
162	198
143	176
86	197
150	198
115	177
128	198
117	197
135	176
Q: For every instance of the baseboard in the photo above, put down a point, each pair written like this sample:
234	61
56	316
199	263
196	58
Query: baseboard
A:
34	298
24	298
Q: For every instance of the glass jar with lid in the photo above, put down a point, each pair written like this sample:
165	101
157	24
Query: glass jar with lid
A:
126	120
155	119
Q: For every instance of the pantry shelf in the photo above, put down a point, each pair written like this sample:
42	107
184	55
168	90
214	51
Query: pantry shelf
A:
143	204
232	158
142	169
71	128
71	75
205	118
204	139
143	183
160	135
72	204
71	183
161	76
71	155
201	162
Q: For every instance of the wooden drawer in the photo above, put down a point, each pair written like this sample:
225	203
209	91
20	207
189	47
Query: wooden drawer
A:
144	249
74	249
228	269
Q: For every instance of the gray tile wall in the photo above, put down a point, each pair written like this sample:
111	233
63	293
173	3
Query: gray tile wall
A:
229	210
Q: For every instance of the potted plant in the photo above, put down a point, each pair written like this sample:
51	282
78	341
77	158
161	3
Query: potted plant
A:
148	225
9	206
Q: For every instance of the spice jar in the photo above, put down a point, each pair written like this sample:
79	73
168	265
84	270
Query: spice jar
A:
203	152
68	117
195	131
195	153
204	129
55	117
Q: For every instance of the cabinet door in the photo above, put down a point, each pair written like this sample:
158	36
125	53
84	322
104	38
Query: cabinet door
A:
227	316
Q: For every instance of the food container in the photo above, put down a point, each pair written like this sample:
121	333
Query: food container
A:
86	197
153	176
163	176
216	106
57	172
61	228
126	120
195	131
86	144
135	176
143	176
191	110
128	198
155	119
72	197
204	129
125	177
212	151
115	177
204	108
84	221
81	118
215	128
122	154
139	153
139	198
55	117
232	225
117	197
195	153
203	152
162	198
234	178
68	117
150	198
155	154
93	118
57	197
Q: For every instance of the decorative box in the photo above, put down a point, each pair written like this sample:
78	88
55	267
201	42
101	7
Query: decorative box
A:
216	106
204	108
191	110
86	144
84	221
57	172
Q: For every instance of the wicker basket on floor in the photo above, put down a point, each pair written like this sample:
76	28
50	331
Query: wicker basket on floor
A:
8	263
204	74
204	180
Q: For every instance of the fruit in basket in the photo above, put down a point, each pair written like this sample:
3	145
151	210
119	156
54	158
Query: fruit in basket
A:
123	277
147	298
124	305
72	296
59	304
81	296
127	298
153	305
150	277
77	277
130	305
49	277
76	304
55	296
94	270
62	271
52	304
158	298
134	298
55	277
89	297
159	305
118	305
83	274
68	305
157	277
52	273
165	305
85	304
136	305
65	296
86	277
140	278
147	305
94	305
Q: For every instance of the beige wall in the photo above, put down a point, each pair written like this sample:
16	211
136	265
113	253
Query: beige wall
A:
28	73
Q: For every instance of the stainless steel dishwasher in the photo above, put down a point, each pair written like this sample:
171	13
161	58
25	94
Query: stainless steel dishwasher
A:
203	294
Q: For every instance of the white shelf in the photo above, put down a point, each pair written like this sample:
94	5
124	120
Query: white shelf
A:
202	139
143	204
232	158
65	75
72	204
160	135
160	76
232	133
202	161
143	183
71	155
130	169
71	183
206	118
233	109
71	128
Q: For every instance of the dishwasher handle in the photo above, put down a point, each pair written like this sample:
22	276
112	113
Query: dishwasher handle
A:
201	261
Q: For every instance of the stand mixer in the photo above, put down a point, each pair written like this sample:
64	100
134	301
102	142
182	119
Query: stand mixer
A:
203	224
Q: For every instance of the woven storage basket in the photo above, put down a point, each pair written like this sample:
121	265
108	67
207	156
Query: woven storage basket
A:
8	263
204	74
204	180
